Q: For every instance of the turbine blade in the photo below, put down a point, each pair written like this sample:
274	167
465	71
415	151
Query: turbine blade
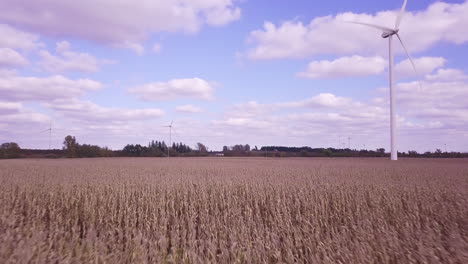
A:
407	53
400	15
385	29
409	57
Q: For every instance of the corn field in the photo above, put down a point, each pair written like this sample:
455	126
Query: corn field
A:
233	210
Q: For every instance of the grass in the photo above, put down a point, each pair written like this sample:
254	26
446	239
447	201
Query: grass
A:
218	210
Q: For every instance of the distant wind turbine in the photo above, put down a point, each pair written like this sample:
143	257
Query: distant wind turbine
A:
50	134
388	33
170	137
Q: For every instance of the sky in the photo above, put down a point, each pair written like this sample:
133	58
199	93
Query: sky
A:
226	72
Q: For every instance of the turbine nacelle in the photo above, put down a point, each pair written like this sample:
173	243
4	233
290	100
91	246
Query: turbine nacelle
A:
387	34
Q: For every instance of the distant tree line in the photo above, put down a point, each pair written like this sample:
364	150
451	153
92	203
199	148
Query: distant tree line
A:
75	150
72	149
281	151
155	149
237	150
240	150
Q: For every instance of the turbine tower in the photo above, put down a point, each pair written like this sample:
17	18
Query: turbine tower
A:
170	137
389	33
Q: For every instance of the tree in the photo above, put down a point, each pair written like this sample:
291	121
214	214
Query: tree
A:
201	148
10	150
70	146
10	146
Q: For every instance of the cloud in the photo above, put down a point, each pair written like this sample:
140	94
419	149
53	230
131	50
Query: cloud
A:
89	112
448	95
16	39
354	66
424	65
189	109
435	113
9	58
156	48
438	100
68	60
322	100
441	103
134	46
318	120
18	88
358	66
447	75
9	107
222	16
440	22
241	113
12	113
173	89
125	22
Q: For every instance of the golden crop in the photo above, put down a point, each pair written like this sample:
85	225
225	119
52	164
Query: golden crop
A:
236	210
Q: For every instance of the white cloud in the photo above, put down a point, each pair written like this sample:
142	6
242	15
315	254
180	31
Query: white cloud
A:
441	103
173	89
447	95
323	100
320	102
16	39
134	46
439	100
189	109
424	65
222	16
9	107
88	112
436	112
68	60
124	23
9	58
7	72
157	48
318	121
447	75
354	66
12	113
440	22
18	88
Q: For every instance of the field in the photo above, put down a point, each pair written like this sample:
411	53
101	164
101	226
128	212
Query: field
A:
233	210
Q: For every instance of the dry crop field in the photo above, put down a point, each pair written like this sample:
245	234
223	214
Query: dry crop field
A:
229	210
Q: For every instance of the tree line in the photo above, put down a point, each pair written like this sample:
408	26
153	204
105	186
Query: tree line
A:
72	149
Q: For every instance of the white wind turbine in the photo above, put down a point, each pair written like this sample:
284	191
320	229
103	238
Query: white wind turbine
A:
50	134
388	33
170	136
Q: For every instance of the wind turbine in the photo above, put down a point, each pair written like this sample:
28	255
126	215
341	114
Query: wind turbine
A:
50	134
170	136
389	33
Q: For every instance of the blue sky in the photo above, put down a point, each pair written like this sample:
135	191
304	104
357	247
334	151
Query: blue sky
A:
230	72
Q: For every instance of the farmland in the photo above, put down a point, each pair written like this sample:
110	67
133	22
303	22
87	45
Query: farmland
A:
233	210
